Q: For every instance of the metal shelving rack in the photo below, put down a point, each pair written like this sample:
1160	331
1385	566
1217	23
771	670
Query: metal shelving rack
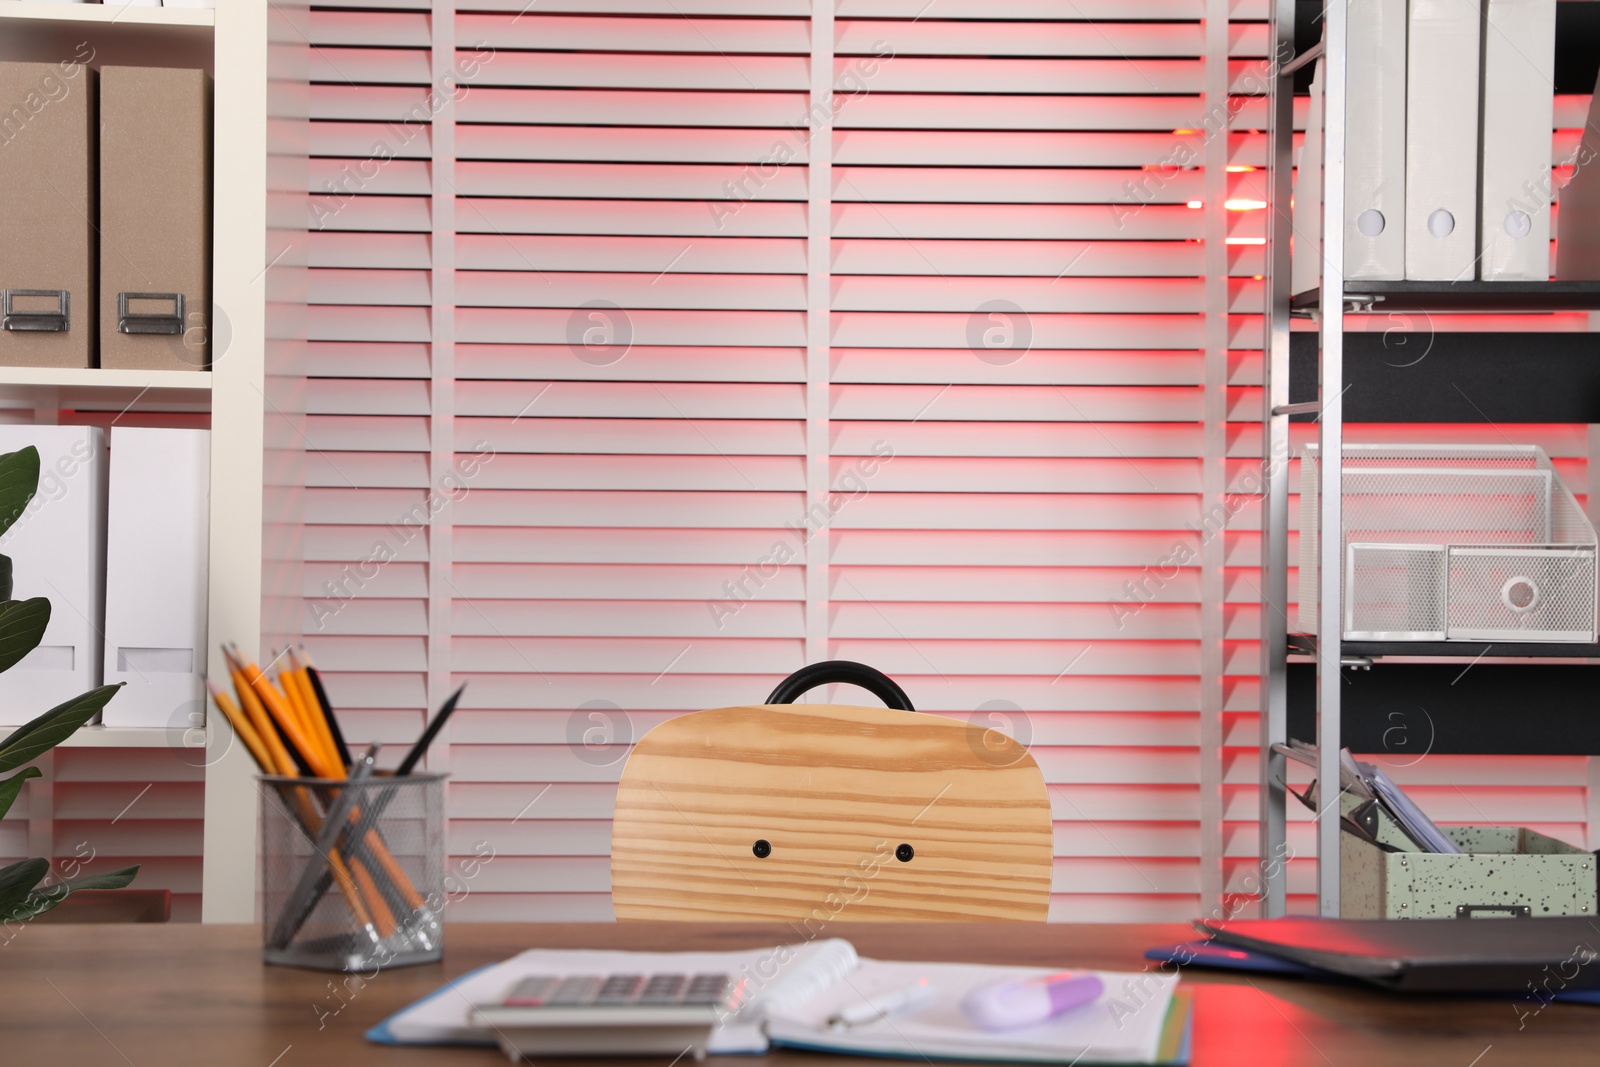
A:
1476	720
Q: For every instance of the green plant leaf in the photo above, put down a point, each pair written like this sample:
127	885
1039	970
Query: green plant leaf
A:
19	480
31	740
42	900
13	785
5	577
18	880
22	624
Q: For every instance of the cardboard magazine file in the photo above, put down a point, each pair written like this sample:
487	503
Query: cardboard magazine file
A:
47	206
155	218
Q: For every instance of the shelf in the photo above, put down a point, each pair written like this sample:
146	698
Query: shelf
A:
1424	377
103	378
1302	645
107	14
136	737
89	389
1447	297
1406	711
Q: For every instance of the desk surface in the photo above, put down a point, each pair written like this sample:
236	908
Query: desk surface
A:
181	995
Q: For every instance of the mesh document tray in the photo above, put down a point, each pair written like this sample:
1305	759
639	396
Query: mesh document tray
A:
1454	542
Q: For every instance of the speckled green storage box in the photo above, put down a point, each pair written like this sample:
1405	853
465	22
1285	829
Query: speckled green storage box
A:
1506	872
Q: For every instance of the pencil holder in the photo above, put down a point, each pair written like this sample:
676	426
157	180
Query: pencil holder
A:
352	871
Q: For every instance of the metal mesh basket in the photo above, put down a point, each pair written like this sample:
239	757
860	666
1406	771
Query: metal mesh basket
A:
352	872
1454	542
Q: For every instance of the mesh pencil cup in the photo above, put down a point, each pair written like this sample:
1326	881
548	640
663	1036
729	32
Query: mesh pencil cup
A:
352	871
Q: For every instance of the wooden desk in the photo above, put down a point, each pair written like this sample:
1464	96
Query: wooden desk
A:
199	996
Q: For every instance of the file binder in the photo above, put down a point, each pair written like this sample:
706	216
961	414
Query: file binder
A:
1519	45
1442	140
157	530
1375	142
1305	264
47	204
57	550
1578	230
155	218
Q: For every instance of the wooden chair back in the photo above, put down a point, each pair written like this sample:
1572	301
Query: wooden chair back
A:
823	812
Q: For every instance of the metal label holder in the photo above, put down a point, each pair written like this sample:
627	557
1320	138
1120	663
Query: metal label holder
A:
57	321
150	322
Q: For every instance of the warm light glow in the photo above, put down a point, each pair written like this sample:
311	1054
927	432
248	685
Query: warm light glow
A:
1246	241
1237	168
1255	277
1244	205
1196	204
1185	131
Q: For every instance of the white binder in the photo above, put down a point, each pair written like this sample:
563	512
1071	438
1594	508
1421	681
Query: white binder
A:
57	550
1375	142
1518	115
1305	264
1442	140
1578	230
158	522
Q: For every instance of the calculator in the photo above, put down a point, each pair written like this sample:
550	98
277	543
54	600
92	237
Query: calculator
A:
588	990
670	1014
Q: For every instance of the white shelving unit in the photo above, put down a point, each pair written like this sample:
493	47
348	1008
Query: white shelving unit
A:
232	44
109	14
135	737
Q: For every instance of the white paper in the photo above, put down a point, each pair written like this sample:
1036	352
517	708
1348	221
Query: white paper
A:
1124	1025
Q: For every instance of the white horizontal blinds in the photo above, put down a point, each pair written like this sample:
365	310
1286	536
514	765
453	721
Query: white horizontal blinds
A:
368	398
1018	314
630	343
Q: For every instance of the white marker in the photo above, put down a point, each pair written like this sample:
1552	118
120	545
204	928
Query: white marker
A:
885	1005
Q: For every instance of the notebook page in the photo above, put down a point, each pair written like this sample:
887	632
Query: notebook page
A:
776	974
1123	1026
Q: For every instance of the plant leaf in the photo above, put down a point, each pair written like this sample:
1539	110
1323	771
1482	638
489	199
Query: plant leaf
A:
5	577
22	624
18	880
31	740
19	480
13	785
42	900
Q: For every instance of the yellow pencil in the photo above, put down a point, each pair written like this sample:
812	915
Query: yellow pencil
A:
241	726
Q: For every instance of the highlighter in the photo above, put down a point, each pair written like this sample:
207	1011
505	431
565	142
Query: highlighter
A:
1014	1003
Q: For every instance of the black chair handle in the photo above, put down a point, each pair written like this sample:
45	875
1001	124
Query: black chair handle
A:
872	680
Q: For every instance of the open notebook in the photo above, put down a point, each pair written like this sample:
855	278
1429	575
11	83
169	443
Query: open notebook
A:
795	989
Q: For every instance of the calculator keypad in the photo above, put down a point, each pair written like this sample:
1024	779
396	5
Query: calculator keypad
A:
619	990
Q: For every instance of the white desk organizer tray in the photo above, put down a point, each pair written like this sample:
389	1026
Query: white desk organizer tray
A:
1454	543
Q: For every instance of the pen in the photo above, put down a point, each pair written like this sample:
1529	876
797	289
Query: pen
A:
884	1005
